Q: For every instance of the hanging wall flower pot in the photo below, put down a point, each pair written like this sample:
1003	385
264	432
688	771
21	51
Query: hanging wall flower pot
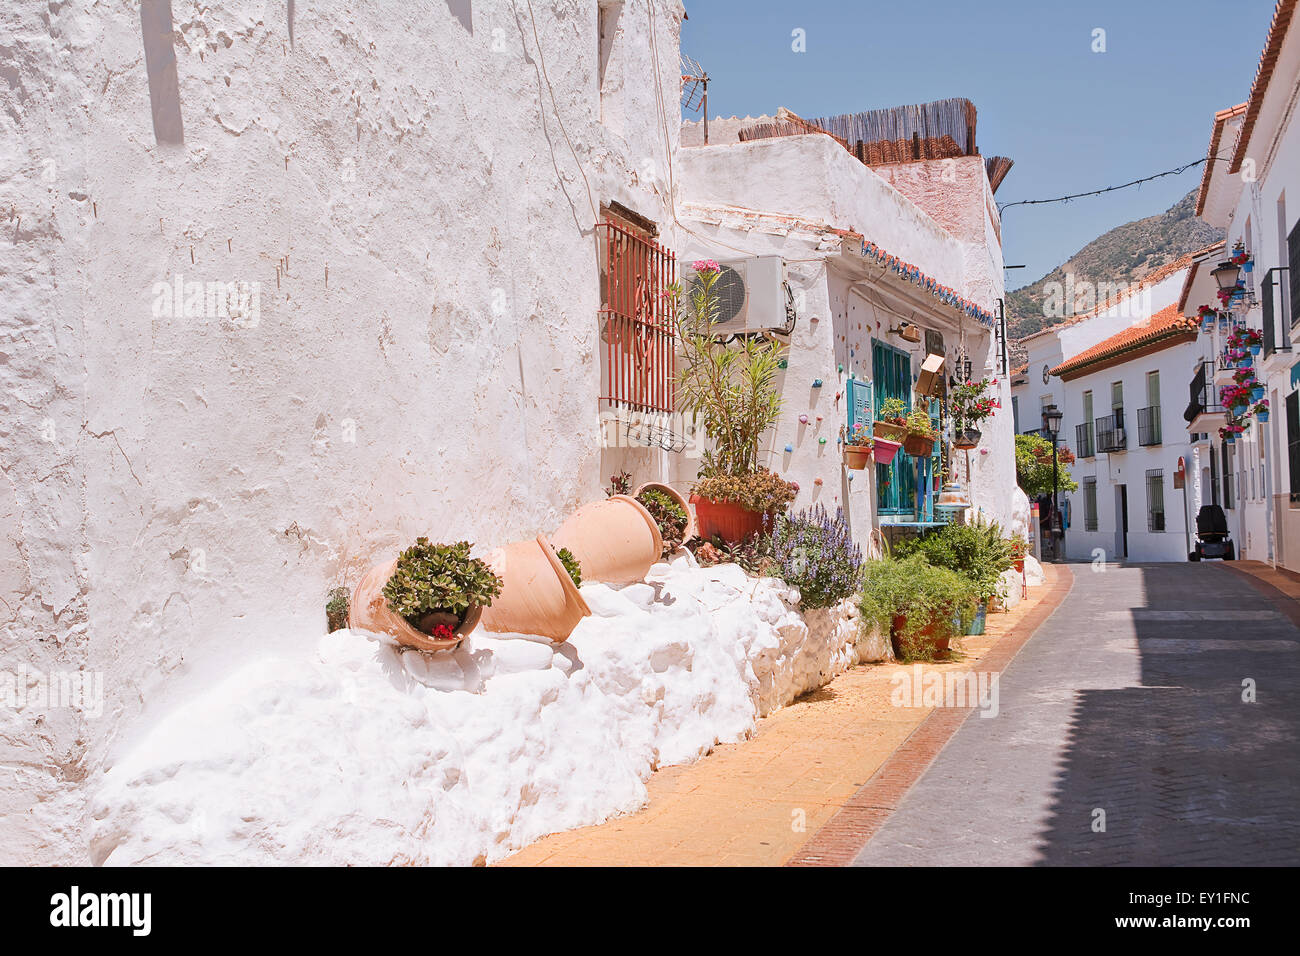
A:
890	430
537	594
857	457
885	450
1256	349
1257	393
967	438
918	446
1262	415
615	540
369	611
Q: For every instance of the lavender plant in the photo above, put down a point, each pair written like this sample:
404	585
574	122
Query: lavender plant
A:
817	555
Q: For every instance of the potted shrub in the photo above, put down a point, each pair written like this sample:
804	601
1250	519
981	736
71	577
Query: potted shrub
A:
734	507
915	603
892	423
858	447
970	403
336	609
539	593
919	442
429	597
1018	548
730	386
815	553
1261	410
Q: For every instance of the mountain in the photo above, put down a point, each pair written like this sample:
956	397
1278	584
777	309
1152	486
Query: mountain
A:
1123	255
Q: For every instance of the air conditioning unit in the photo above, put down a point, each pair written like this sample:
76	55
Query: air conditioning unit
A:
751	294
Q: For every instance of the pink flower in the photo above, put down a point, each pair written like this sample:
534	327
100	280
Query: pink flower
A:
706	265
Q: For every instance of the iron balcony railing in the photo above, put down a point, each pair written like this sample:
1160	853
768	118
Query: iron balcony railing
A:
1110	432
637	321
1083	444
1277	337
1204	396
1149	425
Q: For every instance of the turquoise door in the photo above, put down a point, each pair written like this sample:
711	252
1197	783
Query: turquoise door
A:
895	482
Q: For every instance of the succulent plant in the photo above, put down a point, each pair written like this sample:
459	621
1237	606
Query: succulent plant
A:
571	565
761	491
669	516
336	609
439	578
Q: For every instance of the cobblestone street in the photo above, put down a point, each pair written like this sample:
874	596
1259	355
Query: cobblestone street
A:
1127	702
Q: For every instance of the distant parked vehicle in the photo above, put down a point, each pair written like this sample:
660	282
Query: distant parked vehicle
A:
1212	540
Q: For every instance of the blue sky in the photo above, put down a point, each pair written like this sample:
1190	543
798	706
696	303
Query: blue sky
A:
1071	119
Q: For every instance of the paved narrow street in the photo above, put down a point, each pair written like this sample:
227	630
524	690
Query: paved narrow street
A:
1128	701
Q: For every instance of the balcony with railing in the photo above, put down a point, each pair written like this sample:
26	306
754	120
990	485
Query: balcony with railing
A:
1110	432
1149	425
1204	414
1083	444
1277	336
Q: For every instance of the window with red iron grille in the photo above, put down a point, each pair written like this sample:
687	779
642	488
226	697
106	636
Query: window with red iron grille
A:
636	319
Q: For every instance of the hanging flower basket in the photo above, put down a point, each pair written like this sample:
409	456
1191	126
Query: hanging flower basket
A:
967	438
890	430
885	450
918	446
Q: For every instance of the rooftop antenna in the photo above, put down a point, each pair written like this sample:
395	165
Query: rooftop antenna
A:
695	90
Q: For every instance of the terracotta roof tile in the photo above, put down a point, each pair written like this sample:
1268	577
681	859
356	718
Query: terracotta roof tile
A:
1165	324
1282	16
1153	277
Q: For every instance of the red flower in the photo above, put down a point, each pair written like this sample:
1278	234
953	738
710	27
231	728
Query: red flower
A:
443	633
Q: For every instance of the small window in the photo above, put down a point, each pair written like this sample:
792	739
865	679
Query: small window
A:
1090	504
1155	499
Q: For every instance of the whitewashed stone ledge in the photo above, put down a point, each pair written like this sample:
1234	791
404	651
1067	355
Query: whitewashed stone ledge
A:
359	753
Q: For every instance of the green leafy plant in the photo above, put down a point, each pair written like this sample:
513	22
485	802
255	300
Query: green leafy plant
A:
754	555
336	609
927	600
971	404
977	551
571	565
441	579
669	515
859	436
759	491
1034	466
729	386
919	424
893	410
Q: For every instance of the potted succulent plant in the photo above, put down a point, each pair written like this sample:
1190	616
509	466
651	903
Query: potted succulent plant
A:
921	434
892	423
671	512
429	597
859	446
734	507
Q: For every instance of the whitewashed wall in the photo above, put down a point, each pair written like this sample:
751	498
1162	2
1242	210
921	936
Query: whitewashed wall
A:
180	492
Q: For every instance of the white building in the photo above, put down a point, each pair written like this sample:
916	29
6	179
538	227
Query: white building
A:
1123	402
1251	188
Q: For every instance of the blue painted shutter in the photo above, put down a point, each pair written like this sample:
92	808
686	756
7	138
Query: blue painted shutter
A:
859	404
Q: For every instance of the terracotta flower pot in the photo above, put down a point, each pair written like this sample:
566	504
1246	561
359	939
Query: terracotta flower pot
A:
537	595
918	446
689	531
369	611
886	450
926	635
1019	565
727	520
857	457
889	430
615	540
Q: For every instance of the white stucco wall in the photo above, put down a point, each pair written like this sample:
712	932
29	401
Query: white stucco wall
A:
413	187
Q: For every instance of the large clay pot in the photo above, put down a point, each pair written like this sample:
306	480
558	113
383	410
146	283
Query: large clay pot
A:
689	531
615	540
727	520
537	595
857	457
369	611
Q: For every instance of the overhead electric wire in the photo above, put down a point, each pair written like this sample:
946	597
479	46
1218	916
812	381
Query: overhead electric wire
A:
1177	171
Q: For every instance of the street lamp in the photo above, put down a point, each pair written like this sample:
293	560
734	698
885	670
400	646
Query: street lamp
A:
1052	425
1226	276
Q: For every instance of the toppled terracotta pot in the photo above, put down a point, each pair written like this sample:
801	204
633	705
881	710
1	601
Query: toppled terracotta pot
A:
615	540
537	595
369	611
689	531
